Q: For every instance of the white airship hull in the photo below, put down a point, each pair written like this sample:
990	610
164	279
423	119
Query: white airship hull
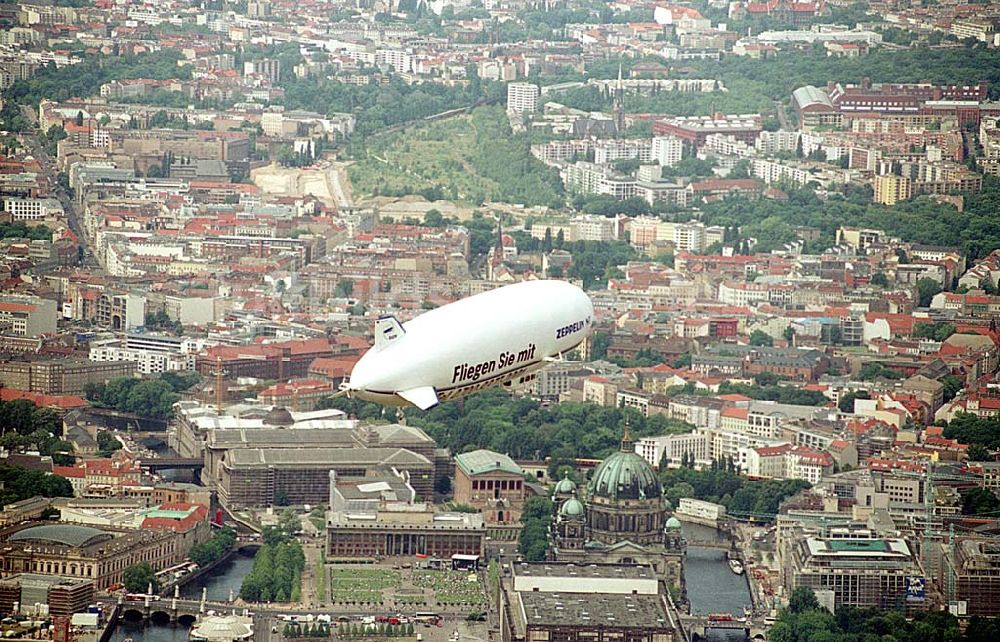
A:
482	341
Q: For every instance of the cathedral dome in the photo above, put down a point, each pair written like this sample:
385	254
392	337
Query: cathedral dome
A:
278	416
673	523
565	486
625	475
572	507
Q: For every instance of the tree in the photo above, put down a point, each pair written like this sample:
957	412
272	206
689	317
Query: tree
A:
17	483
213	549
952	385
802	599
344	289
766	379
926	289
434	218
107	443
933	331
683	361
152	397
980	501
533	542
138	577
978	452
79	119
679	491
846	403
290	522
761	338
874	370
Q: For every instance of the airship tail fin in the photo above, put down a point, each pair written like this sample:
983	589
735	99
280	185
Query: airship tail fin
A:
387	330
424	397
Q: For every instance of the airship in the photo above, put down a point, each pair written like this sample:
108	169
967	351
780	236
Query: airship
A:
494	338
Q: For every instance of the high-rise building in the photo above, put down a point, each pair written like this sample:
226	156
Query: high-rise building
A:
269	68
667	150
522	97
890	189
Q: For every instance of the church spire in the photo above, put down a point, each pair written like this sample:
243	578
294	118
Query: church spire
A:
618	105
627	444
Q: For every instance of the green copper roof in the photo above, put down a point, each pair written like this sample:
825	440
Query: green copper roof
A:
572	507
673	522
565	486
855	545
482	461
625	475
167	513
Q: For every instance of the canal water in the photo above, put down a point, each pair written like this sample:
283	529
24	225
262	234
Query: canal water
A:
226	577
712	587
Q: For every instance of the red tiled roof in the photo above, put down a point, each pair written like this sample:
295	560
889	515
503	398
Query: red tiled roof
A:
773	451
735	413
64	402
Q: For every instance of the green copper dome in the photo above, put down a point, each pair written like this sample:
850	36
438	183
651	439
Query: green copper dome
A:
572	507
565	486
625	475
673	523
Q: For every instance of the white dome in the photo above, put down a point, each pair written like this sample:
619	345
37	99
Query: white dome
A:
222	628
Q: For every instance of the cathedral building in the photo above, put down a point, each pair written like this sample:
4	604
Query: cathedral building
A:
622	518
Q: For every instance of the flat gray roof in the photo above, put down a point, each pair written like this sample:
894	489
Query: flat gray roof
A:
297	458
555	569
604	610
283	437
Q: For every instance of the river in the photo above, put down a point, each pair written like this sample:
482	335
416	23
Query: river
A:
218	583
711	586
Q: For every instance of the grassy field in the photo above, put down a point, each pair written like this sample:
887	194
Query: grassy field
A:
420	159
360	585
451	587
471	158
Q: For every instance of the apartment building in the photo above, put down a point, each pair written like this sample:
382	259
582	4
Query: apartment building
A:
33	209
608	151
522	97
667	151
60	377
27	316
269	68
890	189
674	448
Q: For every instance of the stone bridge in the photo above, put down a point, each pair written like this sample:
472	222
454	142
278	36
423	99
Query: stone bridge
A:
722	546
162	610
698	627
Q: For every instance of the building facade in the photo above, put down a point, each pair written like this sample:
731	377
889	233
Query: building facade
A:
494	484
83	552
